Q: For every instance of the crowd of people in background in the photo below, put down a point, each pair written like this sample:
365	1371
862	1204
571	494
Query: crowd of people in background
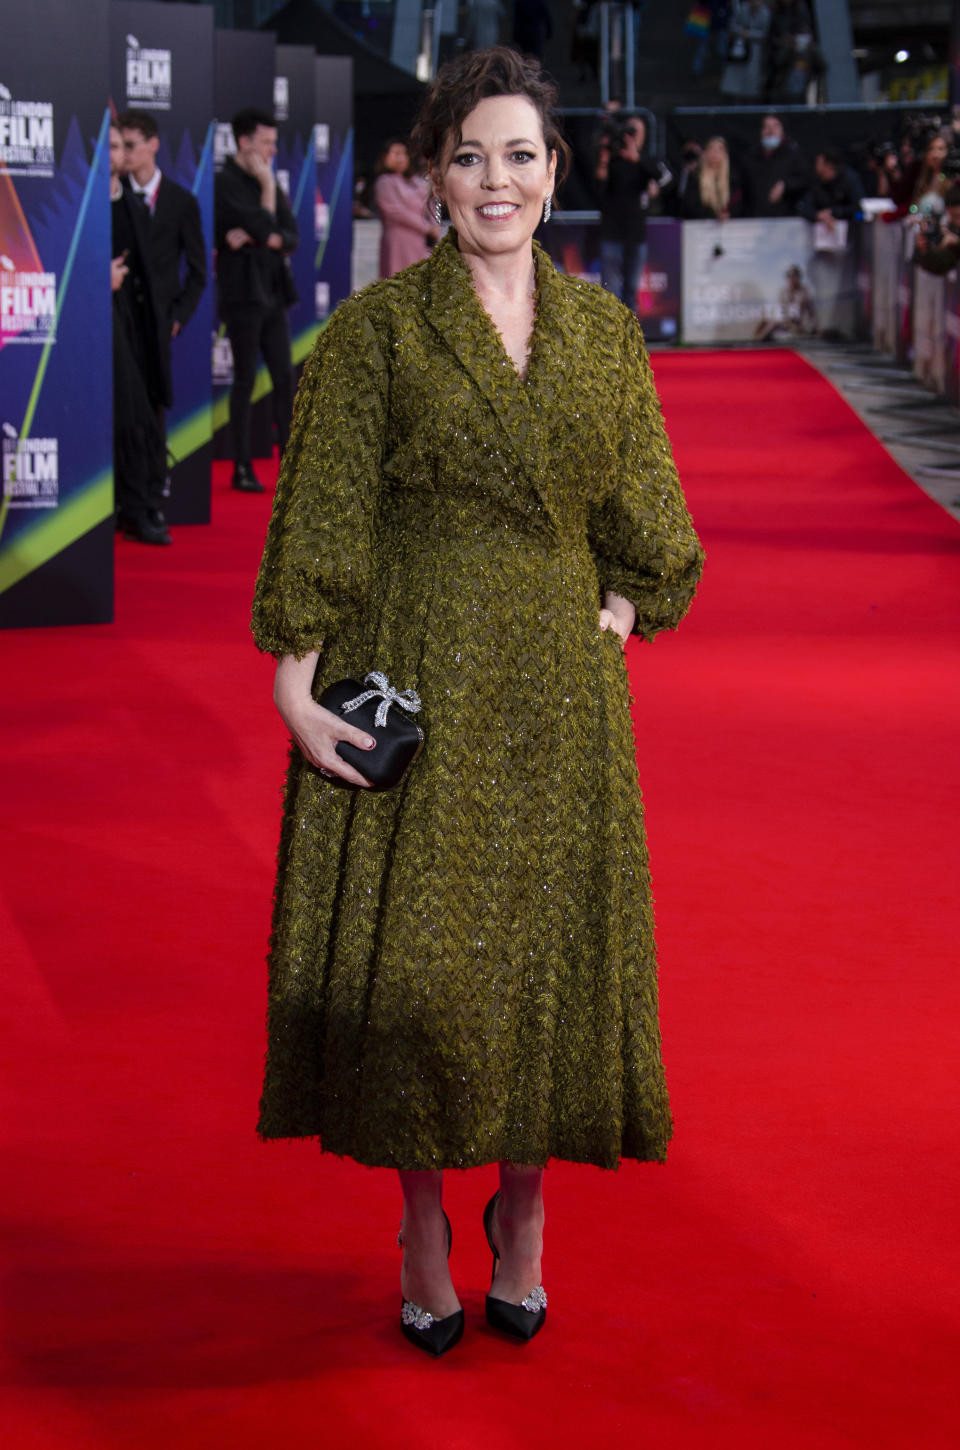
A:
716	180
773	178
763	51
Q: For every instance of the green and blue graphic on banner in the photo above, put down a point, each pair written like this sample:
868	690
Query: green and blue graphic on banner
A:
56	423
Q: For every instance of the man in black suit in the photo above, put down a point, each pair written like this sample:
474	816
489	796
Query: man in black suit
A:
254	234
175	252
140	380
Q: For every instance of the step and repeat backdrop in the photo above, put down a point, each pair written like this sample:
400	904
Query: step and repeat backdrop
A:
56	354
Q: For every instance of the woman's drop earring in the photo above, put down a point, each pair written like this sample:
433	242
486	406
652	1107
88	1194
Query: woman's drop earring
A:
547	207
438	209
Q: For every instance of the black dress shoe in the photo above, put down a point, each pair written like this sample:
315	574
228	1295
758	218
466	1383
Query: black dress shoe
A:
522	1320
245	480
145	531
434	1336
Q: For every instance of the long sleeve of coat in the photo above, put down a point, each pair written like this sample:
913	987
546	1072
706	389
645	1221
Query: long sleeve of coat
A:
641	535
317	563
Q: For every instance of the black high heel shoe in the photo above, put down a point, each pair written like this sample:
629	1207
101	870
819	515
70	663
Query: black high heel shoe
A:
522	1320
434	1336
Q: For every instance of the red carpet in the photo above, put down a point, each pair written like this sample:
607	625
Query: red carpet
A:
788	1280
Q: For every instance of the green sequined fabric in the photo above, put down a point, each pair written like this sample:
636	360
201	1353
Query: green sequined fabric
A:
462	970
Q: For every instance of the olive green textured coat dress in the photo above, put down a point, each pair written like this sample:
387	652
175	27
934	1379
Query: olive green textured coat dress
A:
462	969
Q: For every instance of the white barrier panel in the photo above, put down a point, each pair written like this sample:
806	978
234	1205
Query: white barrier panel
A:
929	330
734	276
887	244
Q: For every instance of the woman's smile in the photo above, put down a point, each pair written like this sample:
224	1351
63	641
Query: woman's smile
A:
496	176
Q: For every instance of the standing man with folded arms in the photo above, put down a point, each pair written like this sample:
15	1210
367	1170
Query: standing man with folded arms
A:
255	234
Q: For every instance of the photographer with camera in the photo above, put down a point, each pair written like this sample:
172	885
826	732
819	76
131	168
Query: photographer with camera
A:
936	247
627	186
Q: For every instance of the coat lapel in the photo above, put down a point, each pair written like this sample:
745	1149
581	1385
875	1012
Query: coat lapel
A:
456	314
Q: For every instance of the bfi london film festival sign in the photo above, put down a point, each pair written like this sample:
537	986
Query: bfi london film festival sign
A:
31	470
149	76
28	305
26	135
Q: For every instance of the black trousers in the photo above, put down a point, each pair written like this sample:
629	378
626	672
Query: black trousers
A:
139	422
256	332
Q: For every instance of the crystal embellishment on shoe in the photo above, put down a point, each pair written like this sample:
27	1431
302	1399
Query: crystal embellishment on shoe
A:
434	1336
413	1315
535	1301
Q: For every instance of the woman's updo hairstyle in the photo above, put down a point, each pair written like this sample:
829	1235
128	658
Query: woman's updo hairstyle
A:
466	80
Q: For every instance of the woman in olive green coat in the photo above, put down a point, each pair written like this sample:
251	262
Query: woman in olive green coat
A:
478	500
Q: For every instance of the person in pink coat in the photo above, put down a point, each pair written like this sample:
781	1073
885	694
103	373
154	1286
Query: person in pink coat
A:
401	201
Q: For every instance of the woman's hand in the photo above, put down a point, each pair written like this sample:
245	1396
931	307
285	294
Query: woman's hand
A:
317	731
619	615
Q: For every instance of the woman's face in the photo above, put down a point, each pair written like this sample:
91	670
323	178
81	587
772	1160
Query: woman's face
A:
714	154
936	152
496	180
397	158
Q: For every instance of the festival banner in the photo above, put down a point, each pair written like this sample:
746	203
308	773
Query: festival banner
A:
161	61
333	210
244	70
294	109
574	246
735	280
56	351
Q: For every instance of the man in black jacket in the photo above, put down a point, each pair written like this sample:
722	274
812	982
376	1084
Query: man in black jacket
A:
177	252
775	177
141	374
255	233
835	194
174	250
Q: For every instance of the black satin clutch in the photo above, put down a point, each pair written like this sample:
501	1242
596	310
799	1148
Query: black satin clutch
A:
383	712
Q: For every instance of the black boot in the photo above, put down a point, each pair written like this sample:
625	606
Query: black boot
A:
245	480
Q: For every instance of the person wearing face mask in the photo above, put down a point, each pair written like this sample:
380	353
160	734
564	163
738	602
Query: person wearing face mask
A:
787	19
479	498
255	232
775	177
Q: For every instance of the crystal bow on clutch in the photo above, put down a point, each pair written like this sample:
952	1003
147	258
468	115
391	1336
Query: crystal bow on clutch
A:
369	707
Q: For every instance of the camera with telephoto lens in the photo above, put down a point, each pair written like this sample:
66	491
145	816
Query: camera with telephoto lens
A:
931	228
615	131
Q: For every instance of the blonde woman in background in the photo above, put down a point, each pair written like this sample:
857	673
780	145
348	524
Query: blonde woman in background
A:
714	194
